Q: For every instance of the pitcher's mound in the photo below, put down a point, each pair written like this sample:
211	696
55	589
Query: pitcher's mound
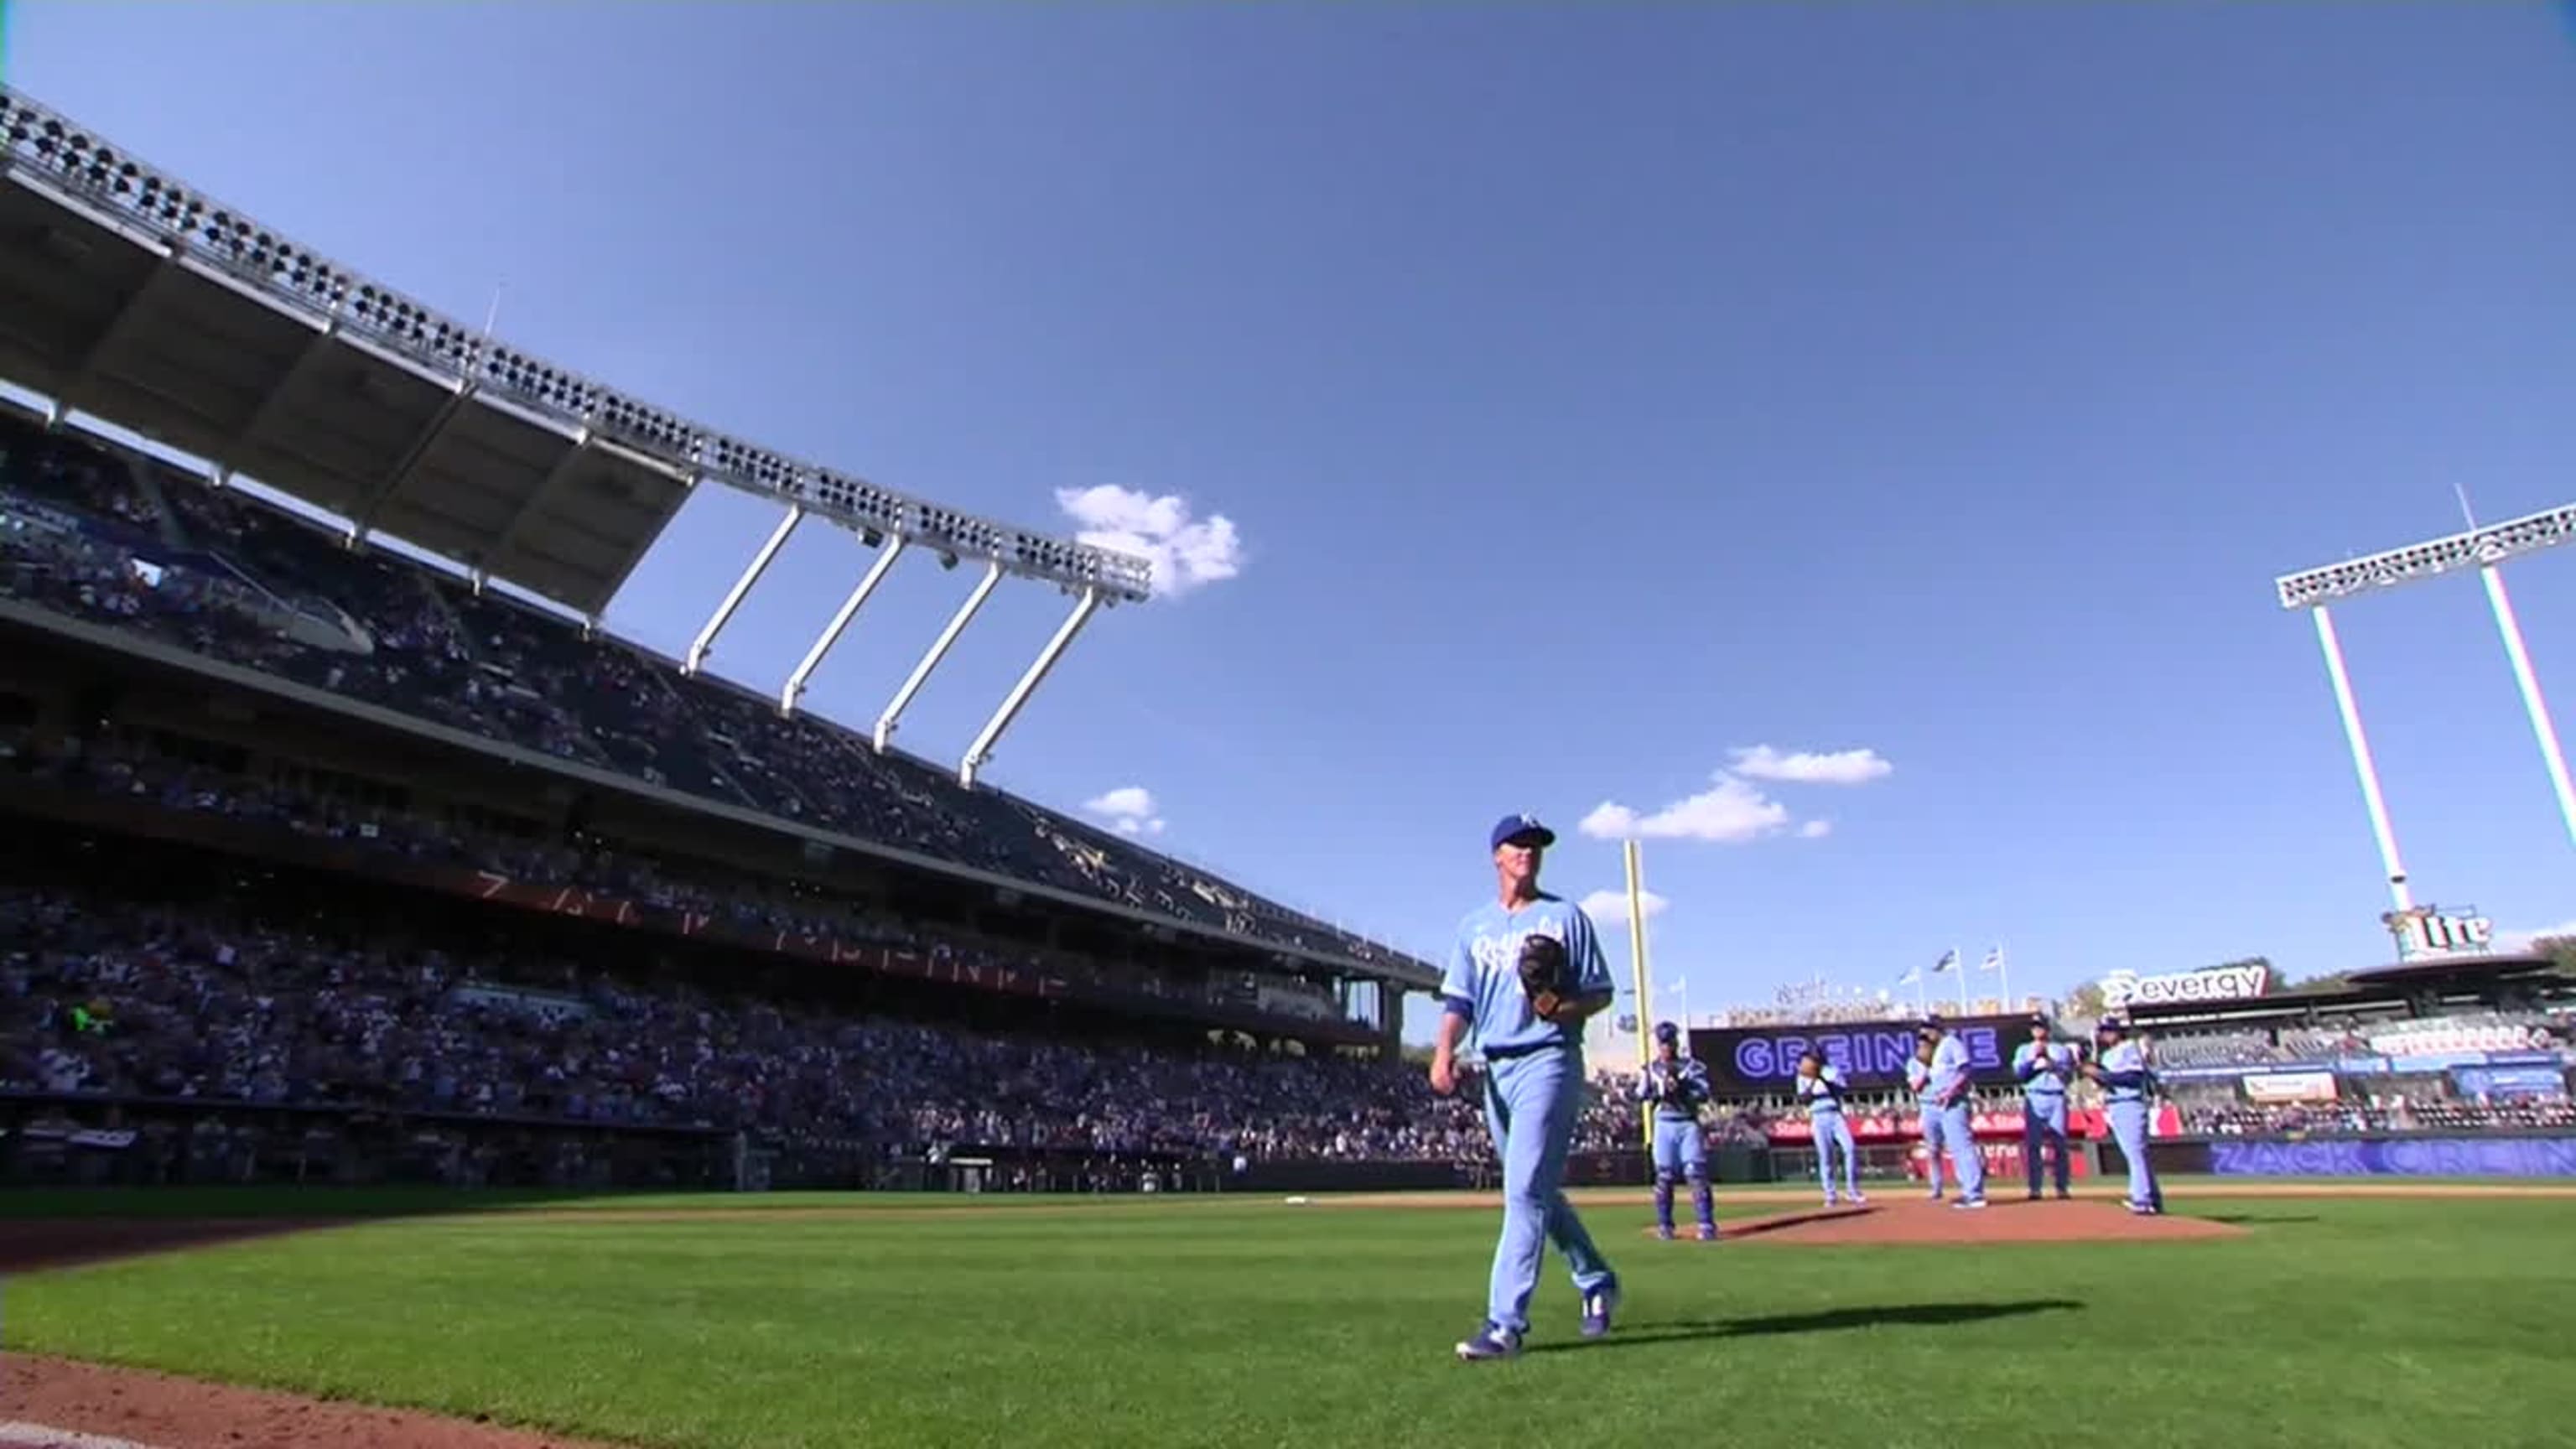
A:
1910	1218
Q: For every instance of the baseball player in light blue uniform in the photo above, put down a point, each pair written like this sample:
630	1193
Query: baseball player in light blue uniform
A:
2044	1068
1534	1088
1820	1091
2127	1089
1947	1092
1677	1087
1918	1080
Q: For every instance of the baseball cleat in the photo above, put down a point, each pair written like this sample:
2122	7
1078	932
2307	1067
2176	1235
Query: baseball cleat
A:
1597	1306
1708	1232
1860	1200
1968	1204
1490	1342
1665	1232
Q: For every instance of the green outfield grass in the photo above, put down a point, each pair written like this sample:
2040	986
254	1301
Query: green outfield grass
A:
1241	1321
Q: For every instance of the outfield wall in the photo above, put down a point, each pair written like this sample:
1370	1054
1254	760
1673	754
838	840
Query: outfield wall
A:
2383	1155
83	1139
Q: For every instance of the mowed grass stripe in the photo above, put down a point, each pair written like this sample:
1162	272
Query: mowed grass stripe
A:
2358	1322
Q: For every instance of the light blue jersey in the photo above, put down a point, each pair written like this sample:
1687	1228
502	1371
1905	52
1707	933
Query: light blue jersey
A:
1822	1096
2044	1069
1949	1075
1822	1092
2127	1083
1483	982
1945	1095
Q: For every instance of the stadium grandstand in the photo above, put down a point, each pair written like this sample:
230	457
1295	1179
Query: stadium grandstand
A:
2472	1040
354	806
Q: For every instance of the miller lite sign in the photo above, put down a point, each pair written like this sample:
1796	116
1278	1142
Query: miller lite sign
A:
2425	931
2122	989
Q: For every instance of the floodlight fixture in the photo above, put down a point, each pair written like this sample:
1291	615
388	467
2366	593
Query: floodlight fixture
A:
2485	548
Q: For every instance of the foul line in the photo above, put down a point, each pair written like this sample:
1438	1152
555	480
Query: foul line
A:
17	1434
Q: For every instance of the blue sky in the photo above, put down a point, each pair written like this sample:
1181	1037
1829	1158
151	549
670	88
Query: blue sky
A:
1589	395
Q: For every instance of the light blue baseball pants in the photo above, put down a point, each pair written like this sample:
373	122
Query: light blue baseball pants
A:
2043	1123
1932	1145
1531	1103
1833	1135
1965	1160
1681	1152
2129	1129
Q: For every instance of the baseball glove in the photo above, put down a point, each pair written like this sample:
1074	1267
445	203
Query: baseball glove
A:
1545	972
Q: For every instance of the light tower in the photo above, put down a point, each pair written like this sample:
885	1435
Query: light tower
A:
2486	550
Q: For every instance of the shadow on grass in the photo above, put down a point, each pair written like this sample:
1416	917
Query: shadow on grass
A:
1758	1226
1908	1315
2265	1219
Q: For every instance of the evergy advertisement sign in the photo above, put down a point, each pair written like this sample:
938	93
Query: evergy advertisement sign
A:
2124	989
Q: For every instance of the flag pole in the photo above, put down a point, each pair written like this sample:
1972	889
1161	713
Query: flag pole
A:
2003	973
1637	965
1959	963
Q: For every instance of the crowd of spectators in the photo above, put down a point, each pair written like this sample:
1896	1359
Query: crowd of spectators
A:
236	999
114	537
2379	1114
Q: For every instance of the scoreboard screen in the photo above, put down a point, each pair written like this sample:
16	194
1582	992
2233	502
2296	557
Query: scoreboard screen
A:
1746	1061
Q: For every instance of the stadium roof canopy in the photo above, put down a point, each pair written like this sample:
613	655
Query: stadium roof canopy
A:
2452	973
2380	986
127	295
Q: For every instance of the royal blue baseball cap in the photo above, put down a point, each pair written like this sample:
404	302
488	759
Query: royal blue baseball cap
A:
1521	827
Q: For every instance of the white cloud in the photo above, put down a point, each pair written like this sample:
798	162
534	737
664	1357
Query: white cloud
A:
1735	810
1731	812
1609	909
1808	767
1186	551
1130	809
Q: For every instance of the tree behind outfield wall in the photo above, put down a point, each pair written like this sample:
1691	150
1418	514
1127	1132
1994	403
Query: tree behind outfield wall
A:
2561	951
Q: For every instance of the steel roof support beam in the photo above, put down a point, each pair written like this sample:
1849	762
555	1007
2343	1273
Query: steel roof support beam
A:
119	326
403	469
831	634
982	750
706	640
315	348
527	511
939	647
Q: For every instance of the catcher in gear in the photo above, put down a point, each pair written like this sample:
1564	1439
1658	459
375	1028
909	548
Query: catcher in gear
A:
1526	973
1674	1087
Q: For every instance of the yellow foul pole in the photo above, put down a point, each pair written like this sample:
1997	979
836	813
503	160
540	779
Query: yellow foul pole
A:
1637	964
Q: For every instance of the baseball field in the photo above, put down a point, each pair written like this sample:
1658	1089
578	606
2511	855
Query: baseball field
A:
2292	1314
